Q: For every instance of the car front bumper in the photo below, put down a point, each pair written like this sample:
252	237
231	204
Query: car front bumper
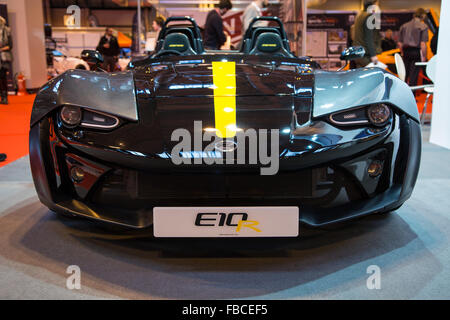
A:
328	186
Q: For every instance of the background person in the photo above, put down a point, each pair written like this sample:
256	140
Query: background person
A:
434	42
388	43
214	34
109	48
157	25
413	43
367	36
253	10
5	59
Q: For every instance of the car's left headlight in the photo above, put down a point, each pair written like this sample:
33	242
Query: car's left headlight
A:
379	114
376	114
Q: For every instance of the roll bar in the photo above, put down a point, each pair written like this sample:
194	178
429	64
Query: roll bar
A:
249	31
198	47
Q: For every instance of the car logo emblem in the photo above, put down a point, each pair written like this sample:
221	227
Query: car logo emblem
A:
226	146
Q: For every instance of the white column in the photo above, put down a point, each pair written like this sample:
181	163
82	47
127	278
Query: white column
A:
139	23
440	123
26	19
305	26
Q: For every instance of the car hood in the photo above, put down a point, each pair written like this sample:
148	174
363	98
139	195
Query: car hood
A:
261	96
252	79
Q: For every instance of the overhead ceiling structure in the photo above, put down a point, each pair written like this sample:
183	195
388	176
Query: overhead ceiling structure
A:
133	3
101	4
91	4
169	4
315	2
186	4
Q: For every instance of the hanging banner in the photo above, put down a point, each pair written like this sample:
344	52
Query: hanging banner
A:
232	23
331	20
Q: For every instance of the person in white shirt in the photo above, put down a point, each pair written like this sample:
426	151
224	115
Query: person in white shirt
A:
253	10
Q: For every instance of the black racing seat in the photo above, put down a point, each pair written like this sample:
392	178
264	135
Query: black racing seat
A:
257	31
178	42
270	43
184	30
179	38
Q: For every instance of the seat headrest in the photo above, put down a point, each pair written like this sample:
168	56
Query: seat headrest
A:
269	42
177	41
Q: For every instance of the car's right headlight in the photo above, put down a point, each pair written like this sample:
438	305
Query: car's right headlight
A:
73	116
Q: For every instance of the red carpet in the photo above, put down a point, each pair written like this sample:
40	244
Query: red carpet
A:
14	127
420	98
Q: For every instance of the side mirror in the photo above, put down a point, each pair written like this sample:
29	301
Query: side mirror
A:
353	53
93	58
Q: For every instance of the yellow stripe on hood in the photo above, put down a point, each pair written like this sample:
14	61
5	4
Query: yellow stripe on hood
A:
224	77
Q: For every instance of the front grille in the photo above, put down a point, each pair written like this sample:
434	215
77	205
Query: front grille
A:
251	185
135	190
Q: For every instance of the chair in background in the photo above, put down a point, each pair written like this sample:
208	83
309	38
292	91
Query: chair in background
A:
431	73
400	65
428	88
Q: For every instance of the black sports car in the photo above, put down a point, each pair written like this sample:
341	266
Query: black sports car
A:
224	143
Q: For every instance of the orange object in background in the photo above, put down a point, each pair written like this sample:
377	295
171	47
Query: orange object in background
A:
124	41
21	86
14	127
388	57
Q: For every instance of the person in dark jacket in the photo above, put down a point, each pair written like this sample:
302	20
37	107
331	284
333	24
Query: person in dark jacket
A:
214	35
5	59
109	48
388	43
367	35
434	42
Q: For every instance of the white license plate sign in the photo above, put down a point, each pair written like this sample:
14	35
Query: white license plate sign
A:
215	222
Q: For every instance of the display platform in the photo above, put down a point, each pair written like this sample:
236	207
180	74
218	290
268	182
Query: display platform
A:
410	246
